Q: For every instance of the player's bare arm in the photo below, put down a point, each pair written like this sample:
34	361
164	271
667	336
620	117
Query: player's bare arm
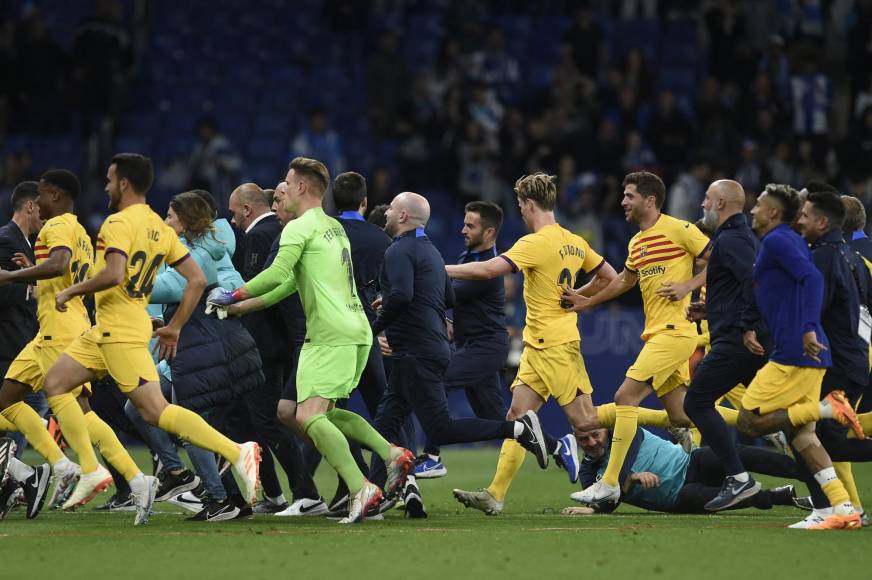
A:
603	277
111	275
52	267
575	302
493	268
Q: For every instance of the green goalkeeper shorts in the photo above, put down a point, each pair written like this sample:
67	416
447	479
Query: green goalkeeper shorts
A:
330	372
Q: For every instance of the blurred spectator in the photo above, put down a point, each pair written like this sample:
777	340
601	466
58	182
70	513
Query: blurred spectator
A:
726	39
474	162
317	140
750	171
445	74
214	164
670	134
856	151
638	156
380	189
780	166
811	94
485	108
493	67
637	74
102	57
386	81
586	39
39	73
684	198
776	66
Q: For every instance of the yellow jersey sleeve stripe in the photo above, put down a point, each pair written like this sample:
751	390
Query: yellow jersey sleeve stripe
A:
511	263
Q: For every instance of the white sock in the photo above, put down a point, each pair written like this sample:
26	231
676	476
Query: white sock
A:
822	512
433	457
741	477
844	509
278	500
137	480
826	410
19	471
62	462
825	475
519	428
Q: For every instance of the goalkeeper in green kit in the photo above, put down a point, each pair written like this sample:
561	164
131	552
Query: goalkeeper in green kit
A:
314	259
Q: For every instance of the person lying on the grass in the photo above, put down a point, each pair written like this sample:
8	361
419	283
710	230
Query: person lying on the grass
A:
660	476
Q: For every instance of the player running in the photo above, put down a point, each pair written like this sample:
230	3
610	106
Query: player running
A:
315	259
132	245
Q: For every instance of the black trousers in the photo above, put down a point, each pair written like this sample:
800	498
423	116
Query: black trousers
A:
416	386
475	367
259	408
705	474
726	366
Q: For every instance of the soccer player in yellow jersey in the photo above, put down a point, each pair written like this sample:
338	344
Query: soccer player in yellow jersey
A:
64	256
132	245
551	364
661	260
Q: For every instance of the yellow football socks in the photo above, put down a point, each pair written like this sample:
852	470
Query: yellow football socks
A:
626	423
6	426
846	476
606	415
804	413
192	427
24	419
511	459
72	421
105	439
836	492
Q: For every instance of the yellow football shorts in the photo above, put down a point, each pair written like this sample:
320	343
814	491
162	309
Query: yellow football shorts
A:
32	364
557	371
734	397
777	386
129	363
664	362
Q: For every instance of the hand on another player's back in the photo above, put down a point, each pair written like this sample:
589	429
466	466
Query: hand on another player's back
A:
572	300
386	349
61	300
811	347
752	344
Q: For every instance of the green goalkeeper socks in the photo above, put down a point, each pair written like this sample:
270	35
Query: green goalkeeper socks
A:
334	447
358	429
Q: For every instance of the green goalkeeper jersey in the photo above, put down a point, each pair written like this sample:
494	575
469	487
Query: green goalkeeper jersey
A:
314	259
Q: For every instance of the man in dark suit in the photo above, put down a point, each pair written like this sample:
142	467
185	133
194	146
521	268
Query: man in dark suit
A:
251	211
18	323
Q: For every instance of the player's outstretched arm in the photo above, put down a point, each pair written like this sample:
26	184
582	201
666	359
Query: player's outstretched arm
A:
56	264
574	301
168	336
111	275
493	268
259	303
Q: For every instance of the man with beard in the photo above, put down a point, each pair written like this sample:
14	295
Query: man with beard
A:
733	323
132	245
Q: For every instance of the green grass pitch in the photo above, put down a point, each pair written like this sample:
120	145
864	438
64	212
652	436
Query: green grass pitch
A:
529	540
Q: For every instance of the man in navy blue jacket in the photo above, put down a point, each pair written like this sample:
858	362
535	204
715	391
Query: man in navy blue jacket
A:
732	313
415	292
847	291
480	337
785	394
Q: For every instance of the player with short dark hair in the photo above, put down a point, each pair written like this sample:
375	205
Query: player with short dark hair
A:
785	393
661	259
132	244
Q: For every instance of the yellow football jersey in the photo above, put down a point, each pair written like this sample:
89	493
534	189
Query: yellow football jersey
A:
551	258
665	253
63	232
142	236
